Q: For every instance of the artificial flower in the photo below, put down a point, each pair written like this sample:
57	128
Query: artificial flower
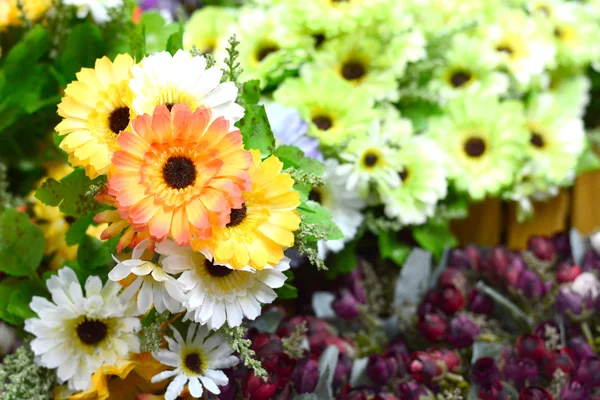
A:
433	16
556	139
156	286
484	141
197	362
344	206
33	10
290	129
77	333
207	27
336	111
217	293
179	174
99	9
263	226
469	67
423	178
95	109
572	92
370	161
165	79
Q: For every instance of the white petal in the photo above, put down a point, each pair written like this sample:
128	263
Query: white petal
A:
139	249
219	315
167	357
195	387
145	298
93	286
218	377
119	272
176	387
131	290
143	269
159	275
210	385
163	375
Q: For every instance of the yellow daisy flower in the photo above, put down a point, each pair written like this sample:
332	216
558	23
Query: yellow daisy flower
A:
10	15
263	227
96	109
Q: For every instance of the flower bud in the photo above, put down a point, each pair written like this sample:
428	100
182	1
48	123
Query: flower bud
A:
562	245
411	390
424	368
499	260
567	301
581	348
385	396
480	303
532	347
342	370
345	305
520	371
306	376
514	270
563	359
462	332
381	369
535	393
493	391
450	358
531	285
485	371
541	247
434	327
588	372
567	272
449	299
255	388
575	390
591	261
466	258
453	277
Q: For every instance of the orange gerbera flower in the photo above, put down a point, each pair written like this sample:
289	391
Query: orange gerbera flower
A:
178	174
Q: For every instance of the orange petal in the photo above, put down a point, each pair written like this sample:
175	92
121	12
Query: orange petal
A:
132	143
197	123
180	227
198	216
161	124
160	225
143	211
181	117
126	161
125	239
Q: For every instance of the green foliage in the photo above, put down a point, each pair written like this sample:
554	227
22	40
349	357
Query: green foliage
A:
21	244
588	161
236	339
175	41
435	237
256	131
390	248
251	92
76	232
157	32
15	296
95	256
83	46
342	263
318	218
21	378
287	291
151	336
233	70
74	194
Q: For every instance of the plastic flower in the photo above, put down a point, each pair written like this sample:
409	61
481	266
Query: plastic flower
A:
483	140
344	206
370	160
197	362
95	110
531	184
156	287
163	79
556	139
434	16
77	333
179	174
261	228
10	14
371	62
335	110
207	28
289	129
99	9
267	47
572	92
524	43
469	67
216	293
423	178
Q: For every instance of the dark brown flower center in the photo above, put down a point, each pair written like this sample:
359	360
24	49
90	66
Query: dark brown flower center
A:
505	49
118	119
92	331
370	159
314	195
403	174
475	147
237	216
179	172
216	269
263	52
353	70
319	39
193	362
536	140
169	106
459	78
322	122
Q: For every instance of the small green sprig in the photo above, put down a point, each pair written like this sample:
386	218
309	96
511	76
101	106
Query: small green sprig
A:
292	345
151	336
21	378
378	224
304	177
210	59
306	245
236	338
233	68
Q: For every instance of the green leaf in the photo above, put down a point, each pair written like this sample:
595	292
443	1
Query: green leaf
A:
287	292
175	42
290	156
70	194
77	230
313	213
342	263
256	130
311	165
137	42
6	289
21	244
19	60
391	249
157	31
21	297
251	92
588	161
150	318
94	255
83	46
435	237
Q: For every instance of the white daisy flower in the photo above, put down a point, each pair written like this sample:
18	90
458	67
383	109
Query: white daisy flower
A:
158	288
344	206
369	160
217	293
98	8
423	177
165	79
77	333
197	361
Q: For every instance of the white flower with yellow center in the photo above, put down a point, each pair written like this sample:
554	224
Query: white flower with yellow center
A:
197	361
217	293
344	206
155	285
98	8
163	79
77	333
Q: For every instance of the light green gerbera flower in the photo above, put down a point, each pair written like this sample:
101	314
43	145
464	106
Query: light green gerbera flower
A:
371	62
335	110
395	127
268	49
572	92
207	29
484	141
470	67
557	139
423	178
